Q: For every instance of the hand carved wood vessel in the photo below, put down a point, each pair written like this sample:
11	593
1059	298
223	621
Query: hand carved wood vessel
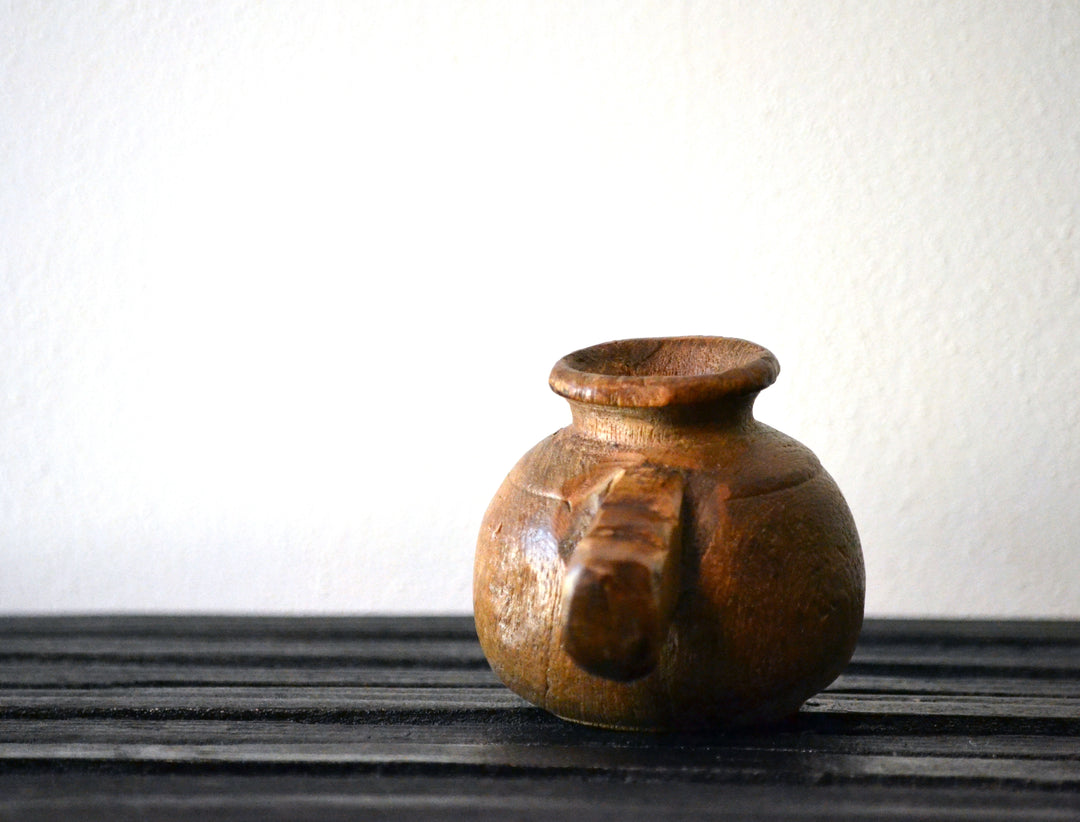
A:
666	561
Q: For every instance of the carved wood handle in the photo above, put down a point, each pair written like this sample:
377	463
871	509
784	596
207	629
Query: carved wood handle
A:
622	578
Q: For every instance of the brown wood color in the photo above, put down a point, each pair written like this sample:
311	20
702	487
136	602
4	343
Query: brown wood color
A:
108	719
666	561
622	580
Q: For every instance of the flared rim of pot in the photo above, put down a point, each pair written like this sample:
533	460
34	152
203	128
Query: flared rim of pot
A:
658	371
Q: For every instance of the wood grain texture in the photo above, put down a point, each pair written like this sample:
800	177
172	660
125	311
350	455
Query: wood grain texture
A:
199	717
622	577
667	562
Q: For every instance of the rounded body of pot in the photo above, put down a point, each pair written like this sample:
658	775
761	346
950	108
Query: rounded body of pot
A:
758	552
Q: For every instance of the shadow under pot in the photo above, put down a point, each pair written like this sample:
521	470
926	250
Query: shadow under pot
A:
666	561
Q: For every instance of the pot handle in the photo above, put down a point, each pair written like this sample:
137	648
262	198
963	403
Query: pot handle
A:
623	578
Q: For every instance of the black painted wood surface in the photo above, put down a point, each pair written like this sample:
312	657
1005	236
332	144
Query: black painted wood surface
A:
400	718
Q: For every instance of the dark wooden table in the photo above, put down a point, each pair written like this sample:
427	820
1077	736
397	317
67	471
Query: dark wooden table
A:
371	718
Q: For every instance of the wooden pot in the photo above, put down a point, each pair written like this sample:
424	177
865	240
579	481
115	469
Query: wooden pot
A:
666	561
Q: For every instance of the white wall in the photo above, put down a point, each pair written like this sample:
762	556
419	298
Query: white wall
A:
281	282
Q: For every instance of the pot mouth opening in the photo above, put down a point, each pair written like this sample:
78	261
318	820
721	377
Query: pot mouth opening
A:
661	371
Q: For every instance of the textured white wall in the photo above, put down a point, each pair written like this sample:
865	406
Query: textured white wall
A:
280	282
